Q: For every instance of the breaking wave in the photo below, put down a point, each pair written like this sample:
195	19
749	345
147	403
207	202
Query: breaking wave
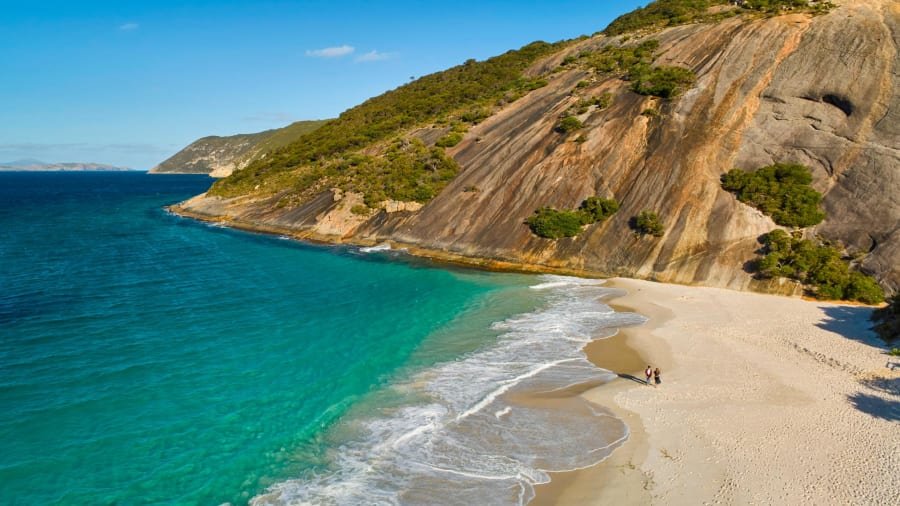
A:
488	427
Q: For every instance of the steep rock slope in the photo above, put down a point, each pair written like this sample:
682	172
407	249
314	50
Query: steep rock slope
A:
820	90
220	156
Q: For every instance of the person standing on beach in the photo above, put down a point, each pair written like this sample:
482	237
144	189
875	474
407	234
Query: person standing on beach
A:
649	374
656	376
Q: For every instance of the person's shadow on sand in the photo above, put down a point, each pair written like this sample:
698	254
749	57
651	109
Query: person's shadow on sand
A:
634	378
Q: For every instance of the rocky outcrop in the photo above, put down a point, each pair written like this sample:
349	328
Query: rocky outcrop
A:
220	156
822	91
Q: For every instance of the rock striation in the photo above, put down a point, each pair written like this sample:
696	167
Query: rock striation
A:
823	91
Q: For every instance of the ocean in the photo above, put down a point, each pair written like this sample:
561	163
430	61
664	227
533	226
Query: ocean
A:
151	359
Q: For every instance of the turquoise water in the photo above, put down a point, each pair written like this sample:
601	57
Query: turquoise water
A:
149	359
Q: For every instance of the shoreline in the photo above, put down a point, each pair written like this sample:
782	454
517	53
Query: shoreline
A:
437	256
796	409
732	387
623	480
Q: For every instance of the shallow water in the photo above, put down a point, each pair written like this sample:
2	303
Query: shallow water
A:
148	359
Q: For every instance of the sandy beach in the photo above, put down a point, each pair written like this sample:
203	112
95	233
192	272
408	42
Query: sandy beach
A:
764	400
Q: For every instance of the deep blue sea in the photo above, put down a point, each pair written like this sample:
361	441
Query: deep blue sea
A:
150	359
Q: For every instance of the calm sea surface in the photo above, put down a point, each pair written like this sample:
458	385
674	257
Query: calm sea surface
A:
149	359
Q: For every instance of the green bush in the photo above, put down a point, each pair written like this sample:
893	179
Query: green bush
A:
781	191
895	352
598	208
819	266
635	63
449	140
648	223
553	224
568	124
663	82
887	322
475	115
360	209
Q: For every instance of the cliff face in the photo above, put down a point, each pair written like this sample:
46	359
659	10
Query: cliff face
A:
220	156
822	91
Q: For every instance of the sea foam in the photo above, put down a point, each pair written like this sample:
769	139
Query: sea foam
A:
490	428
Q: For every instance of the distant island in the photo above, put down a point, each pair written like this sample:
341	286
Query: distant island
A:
37	165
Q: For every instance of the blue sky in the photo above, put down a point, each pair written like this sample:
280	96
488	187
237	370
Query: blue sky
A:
131	83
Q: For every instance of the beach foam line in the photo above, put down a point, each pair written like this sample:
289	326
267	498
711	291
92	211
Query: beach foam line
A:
462	437
375	249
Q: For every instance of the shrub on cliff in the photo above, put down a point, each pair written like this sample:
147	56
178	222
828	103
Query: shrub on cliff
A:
663	82
635	63
819	266
887	322
449	140
781	191
568	124
598	208
648	223
554	224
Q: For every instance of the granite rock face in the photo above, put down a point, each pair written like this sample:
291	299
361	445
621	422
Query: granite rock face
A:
823	91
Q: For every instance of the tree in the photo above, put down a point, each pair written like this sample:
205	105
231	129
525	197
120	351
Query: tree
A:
648	223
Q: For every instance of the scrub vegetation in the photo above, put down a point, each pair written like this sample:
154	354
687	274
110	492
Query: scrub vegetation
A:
634	63
330	156
664	13
819	265
781	191
555	224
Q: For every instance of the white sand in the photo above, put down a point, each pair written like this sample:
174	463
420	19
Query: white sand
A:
765	400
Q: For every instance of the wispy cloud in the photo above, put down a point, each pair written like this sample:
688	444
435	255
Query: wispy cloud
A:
269	117
374	55
129	27
331	52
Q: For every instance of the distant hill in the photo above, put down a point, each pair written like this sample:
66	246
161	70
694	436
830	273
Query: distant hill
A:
220	156
30	164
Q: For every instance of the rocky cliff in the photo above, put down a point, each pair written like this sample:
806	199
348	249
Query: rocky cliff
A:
220	156
821	90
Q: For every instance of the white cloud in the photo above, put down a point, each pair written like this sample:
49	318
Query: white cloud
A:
374	55
331	52
129	27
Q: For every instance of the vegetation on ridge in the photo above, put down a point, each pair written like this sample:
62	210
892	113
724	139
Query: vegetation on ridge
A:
469	89
664	13
554	224
819	265
634	63
781	191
